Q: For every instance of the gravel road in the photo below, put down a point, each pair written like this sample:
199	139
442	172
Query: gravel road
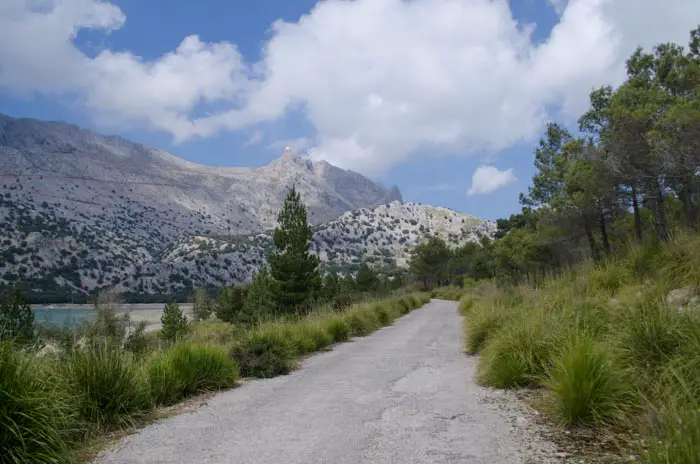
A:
405	394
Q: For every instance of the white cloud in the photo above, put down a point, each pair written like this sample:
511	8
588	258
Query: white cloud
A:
378	80
255	138
488	179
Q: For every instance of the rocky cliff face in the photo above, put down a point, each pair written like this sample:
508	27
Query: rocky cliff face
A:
80	211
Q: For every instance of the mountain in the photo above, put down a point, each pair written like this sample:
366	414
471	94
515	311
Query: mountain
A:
81	211
110	178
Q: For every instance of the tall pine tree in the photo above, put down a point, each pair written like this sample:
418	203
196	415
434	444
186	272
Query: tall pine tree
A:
293	268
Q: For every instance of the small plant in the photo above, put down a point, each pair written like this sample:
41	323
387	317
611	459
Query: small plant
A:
587	386
37	417
167	386
174	322
110	385
337	328
203	368
264	352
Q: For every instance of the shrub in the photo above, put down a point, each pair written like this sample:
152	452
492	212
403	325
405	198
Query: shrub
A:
359	322
650	333
609	278
110	385
519	353
203	368
337	328
466	303
587	386
36	416
308	336
174	322
264	352
16	318
384	317
167	386
482	323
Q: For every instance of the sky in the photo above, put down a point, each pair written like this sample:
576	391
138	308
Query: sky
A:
444	98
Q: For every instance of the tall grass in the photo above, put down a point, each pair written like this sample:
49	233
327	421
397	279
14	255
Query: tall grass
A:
110	385
37	417
604	344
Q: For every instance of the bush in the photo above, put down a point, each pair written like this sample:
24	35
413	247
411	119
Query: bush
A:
308	336
609	278
16	318
466	303
587	386
359	322
37	418
337	328
676	435
265	352
519	353
203	368
111	387
483	321
167	386
384	316
174	322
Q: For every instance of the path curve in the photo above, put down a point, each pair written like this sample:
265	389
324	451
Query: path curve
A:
405	394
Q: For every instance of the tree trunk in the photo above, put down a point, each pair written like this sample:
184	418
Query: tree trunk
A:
686	196
637	216
604	232
660	213
591	241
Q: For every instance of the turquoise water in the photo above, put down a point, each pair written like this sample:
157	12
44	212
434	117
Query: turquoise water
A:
73	316
62	317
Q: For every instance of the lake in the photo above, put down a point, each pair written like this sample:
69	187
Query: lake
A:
73	315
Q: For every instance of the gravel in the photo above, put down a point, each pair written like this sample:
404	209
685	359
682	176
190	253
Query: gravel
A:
405	394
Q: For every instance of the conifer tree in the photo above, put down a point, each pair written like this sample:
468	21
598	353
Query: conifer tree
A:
293	268
174	322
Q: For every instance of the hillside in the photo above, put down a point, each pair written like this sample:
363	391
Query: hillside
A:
80	211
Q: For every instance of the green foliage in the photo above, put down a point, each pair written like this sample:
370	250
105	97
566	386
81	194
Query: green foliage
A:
37	417
202	305
110	385
230	305
174	322
520	352
167	386
265	352
16	318
203	368
428	263
366	280
260	301
587	386
337	328
293	268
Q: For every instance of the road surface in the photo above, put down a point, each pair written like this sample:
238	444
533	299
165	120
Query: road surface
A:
405	394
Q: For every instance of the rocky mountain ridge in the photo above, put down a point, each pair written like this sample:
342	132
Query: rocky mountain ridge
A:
80	212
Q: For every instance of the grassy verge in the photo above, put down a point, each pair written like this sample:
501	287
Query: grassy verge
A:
53	404
610	347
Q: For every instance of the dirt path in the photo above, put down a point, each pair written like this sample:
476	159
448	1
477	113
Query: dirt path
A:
405	394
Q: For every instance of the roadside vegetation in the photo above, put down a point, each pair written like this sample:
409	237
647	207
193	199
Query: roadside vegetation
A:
63	388
590	297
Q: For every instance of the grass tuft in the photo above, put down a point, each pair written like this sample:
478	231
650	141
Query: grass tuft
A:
110	385
37	418
202	368
265	352
587	386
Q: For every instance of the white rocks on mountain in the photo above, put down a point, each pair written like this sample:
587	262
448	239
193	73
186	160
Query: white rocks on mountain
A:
81	211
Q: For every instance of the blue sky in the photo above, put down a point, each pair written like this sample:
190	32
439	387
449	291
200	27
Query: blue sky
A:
504	102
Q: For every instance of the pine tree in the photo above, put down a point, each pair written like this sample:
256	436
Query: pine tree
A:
366	280
331	286
229	305
293	268
259	300
174	322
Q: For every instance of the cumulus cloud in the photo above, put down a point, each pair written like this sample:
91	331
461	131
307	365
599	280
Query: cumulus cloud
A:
488	179
378	80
